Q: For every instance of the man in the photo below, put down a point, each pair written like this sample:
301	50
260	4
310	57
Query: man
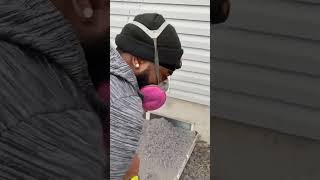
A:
49	111
133	67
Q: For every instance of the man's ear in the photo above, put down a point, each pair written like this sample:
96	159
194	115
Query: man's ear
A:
83	9
136	62
139	65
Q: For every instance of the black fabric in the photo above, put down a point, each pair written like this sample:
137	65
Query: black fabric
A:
49	121
218	15
97	56
135	41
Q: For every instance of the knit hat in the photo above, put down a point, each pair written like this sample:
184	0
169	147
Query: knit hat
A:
135	41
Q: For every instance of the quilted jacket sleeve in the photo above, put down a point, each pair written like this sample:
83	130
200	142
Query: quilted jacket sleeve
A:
126	121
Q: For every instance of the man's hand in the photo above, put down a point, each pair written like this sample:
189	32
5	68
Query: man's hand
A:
133	169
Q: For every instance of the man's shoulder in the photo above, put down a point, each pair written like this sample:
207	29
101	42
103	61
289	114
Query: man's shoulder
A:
36	99
121	88
8	50
34	83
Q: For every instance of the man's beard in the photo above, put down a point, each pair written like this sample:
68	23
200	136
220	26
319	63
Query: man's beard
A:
143	79
97	56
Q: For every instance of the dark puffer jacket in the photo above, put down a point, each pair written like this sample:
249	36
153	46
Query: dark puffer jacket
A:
49	127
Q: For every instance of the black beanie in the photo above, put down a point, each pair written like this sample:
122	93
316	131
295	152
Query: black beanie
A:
136	42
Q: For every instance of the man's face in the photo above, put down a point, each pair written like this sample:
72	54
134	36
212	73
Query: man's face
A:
90	22
147	75
89	18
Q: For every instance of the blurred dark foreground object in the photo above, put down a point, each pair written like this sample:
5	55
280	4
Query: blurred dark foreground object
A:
220	11
242	151
49	123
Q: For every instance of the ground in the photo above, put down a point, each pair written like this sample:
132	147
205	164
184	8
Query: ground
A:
163	151
198	166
